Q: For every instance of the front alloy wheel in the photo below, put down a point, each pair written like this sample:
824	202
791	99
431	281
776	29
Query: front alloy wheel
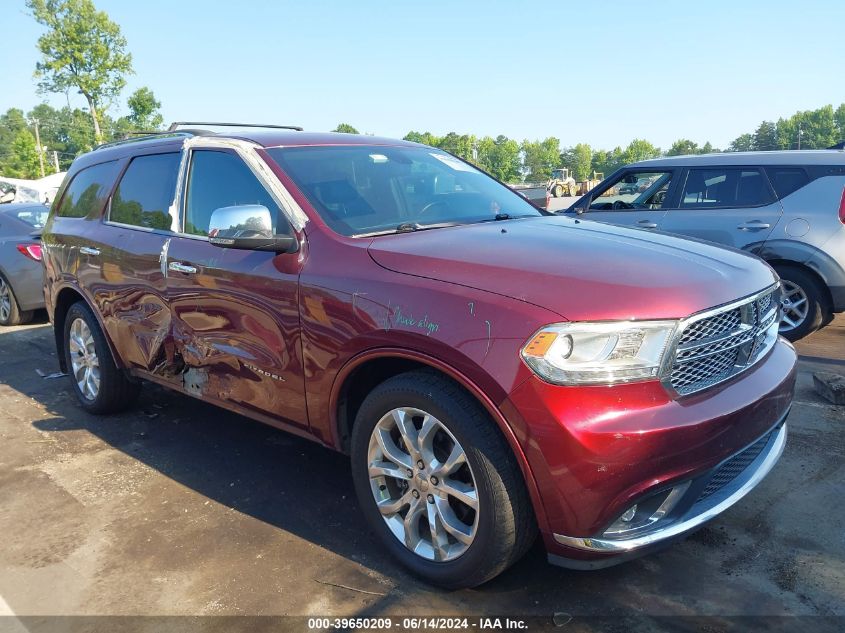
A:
437	481
423	484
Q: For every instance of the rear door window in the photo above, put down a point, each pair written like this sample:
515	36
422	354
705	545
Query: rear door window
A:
787	180
87	192
725	188
146	192
220	179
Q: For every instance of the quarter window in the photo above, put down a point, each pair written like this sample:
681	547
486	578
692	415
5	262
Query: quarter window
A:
787	180
146	191
220	179
87	192
719	187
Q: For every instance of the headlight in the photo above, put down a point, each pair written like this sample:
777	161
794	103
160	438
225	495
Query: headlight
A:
599	353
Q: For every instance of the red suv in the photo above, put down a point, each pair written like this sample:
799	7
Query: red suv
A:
493	371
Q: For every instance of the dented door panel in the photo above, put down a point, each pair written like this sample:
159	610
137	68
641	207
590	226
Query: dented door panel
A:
129	294
235	327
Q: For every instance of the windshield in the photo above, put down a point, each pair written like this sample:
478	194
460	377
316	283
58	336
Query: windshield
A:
360	190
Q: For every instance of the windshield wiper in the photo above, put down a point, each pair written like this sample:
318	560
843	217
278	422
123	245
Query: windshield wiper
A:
506	216
409	227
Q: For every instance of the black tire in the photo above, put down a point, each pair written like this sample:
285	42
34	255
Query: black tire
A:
557	191
818	311
117	391
506	526
15	315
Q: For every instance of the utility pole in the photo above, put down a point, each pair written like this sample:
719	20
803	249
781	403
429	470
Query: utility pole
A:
38	144
799	136
56	161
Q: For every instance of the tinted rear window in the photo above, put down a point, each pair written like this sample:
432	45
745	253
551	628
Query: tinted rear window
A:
787	180
86	194
146	191
725	188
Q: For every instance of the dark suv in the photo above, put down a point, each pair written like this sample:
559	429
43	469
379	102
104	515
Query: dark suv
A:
493	371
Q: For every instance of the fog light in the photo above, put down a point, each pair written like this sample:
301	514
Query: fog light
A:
629	514
646	512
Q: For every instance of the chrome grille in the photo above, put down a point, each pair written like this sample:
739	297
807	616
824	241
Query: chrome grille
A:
721	343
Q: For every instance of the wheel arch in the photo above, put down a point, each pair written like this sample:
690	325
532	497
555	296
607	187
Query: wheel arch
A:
789	263
66	296
368	369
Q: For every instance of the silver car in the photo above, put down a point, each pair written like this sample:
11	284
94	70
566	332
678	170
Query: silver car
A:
786	207
21	271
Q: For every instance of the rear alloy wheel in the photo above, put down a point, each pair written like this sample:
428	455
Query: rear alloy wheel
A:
98	384
10	312
804	303
437	482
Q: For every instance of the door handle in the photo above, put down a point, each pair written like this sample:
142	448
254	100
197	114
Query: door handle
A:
181	268
647	224
87	250
753	225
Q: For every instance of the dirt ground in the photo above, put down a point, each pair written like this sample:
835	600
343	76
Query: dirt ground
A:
178	508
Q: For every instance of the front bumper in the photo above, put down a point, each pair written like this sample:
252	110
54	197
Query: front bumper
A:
596	451
700	508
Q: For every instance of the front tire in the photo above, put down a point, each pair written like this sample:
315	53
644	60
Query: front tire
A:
557	191
98	384
805	307
438	483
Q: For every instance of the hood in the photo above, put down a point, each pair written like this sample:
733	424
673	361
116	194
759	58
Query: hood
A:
580	269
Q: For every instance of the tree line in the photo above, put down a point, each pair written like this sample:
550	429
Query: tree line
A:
533	161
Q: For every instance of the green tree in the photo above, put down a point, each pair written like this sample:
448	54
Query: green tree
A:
638	150
743	143
766	137
23	159
500	157
426	138
82	49
144	110
683	147
458	144
839	118
346	129
540	157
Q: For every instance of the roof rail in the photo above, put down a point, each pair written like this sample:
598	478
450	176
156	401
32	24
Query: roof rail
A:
146	136
176	124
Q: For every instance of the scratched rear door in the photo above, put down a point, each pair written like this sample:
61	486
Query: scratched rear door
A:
235	312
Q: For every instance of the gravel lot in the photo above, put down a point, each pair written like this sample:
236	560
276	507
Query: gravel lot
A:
180	508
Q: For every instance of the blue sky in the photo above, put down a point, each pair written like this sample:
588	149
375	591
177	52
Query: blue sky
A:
601	72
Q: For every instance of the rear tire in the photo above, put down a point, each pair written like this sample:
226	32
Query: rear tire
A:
805	303
10	311
557	191
97	382
493	535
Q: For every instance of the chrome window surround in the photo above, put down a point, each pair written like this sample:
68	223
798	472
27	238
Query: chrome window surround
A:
754	337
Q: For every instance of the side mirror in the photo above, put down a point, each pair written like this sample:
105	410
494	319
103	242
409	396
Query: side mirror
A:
247	227
580	207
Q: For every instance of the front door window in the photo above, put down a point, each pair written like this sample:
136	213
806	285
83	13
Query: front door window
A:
634	190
